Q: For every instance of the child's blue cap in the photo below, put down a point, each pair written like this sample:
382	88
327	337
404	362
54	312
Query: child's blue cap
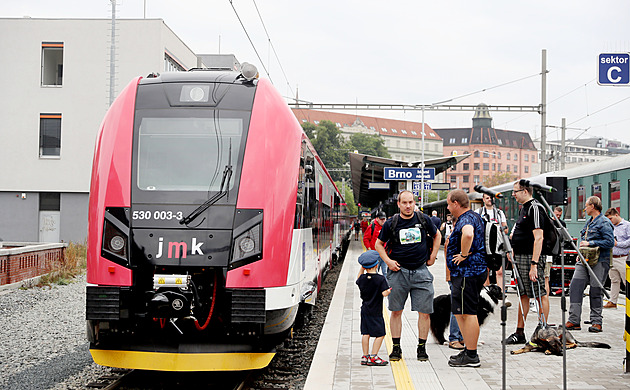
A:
369	259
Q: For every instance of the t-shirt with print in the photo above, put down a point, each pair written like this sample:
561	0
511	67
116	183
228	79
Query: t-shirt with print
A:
409	248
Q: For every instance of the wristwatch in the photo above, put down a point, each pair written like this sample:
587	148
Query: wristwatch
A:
535	263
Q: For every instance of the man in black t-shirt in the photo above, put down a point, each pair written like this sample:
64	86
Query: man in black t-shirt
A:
527	241
407	257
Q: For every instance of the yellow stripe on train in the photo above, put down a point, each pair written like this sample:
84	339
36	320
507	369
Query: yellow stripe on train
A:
161	361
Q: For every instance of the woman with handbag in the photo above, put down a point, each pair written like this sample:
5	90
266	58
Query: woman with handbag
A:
596	243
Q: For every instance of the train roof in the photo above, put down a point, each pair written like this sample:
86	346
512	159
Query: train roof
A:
194	75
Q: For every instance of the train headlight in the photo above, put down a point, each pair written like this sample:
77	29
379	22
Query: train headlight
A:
117	243
194	94
247	245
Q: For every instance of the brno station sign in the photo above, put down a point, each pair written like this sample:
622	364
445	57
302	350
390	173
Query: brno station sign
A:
613	69
408	173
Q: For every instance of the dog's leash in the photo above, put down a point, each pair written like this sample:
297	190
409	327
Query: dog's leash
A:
542	321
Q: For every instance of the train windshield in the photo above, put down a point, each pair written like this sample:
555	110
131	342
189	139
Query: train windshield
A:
187	154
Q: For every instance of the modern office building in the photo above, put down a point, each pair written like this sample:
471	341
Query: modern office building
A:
56	90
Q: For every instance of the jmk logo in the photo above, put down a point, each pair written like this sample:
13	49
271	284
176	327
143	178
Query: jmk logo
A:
179	249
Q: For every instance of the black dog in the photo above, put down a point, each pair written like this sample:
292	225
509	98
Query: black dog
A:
548	339
441	316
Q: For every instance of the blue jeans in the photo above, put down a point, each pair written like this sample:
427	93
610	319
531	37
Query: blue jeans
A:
454	333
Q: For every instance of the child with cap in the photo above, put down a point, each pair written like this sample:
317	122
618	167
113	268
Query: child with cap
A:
373	287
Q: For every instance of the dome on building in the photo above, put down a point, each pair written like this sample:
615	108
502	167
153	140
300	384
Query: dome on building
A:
482	116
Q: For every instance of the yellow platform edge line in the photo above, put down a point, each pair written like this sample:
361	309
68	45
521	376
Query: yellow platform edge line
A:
402	379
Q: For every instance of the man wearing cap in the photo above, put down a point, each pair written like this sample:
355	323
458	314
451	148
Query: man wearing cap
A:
371	235
413	242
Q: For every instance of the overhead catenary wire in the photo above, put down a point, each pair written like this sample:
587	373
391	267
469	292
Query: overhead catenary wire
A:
273	48
250	41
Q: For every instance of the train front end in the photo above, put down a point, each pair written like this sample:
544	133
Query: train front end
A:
190	224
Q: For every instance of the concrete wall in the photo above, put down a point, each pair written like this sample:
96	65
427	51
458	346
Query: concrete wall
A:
19	218
74	214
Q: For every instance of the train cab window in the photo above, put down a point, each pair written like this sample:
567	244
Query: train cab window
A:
614	190
567	210
187	154
52	64
581	202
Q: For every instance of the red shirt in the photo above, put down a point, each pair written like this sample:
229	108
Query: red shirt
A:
371	234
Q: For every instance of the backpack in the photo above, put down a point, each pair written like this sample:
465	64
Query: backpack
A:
551	242
494	240
395	218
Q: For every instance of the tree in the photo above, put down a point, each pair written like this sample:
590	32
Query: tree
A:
497	179
330	147
348	195
370	144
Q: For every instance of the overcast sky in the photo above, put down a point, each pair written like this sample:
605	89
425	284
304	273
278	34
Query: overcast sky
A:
409	52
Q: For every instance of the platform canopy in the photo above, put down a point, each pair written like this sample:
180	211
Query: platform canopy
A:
366	169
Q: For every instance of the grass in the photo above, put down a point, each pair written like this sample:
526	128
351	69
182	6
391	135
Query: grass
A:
73	264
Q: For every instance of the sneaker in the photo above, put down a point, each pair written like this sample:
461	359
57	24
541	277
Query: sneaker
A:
610	305
422	353
364	360
463	360
572	326
595	328
516	338
396	353
455	357
376	361
456	345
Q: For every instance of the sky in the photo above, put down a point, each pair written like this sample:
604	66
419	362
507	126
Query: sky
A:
409	52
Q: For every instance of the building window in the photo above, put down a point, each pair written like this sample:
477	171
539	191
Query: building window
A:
403	131
453	179
49	135
316	122
494	166
507	167
485	154
597	190
499	155
451	141
432	134
465	178
526	169
49	201
476	154
476	166
476	179
508	156
394	131
500	141
526	157
533	158
499	167
414	132
515	168
338	124
466	166
515	157
384	129
465	140
52	63
486	166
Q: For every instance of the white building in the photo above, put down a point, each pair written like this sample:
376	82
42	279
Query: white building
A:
575	155
55	94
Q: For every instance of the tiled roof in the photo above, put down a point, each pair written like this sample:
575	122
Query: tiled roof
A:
385	127
486	136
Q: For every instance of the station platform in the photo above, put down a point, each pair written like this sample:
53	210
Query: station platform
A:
336	364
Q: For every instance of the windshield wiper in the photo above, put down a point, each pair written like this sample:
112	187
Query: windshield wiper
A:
227	174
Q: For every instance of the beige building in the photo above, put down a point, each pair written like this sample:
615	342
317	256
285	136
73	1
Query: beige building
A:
403	139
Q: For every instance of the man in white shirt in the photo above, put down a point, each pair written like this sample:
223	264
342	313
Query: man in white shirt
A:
490	213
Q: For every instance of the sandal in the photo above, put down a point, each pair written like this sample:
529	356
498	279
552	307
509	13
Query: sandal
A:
364	360
377	361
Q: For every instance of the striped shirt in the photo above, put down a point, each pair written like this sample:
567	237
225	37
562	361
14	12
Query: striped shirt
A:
530	218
